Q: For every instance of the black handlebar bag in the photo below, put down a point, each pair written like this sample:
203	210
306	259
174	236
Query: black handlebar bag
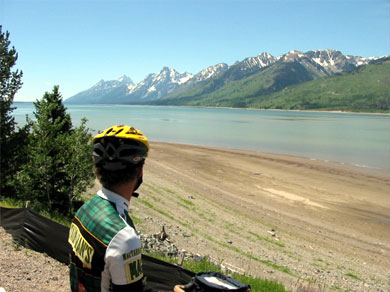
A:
215	282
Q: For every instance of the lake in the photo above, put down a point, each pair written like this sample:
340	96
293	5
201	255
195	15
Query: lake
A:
356	139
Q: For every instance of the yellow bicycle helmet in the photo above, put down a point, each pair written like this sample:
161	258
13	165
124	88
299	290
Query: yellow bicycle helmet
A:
119	145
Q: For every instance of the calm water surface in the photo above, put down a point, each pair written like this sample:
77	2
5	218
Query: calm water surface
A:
358	139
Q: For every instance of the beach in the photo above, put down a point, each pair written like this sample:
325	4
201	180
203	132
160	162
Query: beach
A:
274	216
298	221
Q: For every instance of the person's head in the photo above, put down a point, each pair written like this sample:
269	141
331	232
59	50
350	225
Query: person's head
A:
119	155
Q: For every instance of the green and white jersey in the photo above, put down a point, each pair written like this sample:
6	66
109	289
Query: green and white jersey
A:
105	247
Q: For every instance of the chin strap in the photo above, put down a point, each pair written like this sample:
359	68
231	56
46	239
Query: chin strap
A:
139	182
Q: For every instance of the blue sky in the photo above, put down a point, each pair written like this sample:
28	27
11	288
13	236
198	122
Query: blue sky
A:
75	44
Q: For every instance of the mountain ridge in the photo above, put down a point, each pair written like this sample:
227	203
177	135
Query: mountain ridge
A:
251	77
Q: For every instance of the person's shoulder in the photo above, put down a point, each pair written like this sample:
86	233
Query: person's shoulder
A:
100	218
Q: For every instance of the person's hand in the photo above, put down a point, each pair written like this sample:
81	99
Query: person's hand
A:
179	288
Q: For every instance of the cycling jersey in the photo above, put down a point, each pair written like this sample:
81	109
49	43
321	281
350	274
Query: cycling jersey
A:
105	247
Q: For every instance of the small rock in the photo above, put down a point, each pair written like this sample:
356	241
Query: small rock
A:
163	235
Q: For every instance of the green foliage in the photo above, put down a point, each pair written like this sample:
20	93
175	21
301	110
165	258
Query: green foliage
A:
352	276
365	89
59	168
204	265
12	140
52	215
260	285
234	87
11	203
267	239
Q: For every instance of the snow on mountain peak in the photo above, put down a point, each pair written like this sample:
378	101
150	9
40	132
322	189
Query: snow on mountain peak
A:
168	74
161	84
262	60
295	52
125	79
335	61
292	56
210	72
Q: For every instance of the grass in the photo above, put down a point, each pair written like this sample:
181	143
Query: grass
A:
336	288
250	256
352	276
267	239
187	202
11	203
204	264
55	216
136	220
52	215
257	284
148	204
210	218
168	190
310	286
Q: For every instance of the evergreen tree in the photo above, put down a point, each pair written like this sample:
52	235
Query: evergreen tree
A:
60	165
12	142
78	167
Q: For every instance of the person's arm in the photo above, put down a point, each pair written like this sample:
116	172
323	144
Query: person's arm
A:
123	263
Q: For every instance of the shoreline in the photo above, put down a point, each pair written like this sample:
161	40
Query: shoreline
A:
324	161
235	108
327	154
286	110
275	216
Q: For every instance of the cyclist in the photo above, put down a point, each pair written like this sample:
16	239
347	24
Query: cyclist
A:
105	247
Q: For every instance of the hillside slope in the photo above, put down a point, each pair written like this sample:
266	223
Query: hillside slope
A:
219	92
273	216
237	85
292	85
366	89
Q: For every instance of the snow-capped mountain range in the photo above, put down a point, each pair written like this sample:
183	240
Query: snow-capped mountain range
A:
262	60
155	86
108	85
168	81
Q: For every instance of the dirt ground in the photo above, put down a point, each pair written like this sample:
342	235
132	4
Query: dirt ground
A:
290	219
297	221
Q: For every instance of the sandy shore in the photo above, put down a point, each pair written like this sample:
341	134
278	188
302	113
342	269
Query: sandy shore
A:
275	216
289	219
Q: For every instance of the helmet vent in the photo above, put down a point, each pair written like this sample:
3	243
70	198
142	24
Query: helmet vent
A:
117	146
120	130
109	131
99	152
110	150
